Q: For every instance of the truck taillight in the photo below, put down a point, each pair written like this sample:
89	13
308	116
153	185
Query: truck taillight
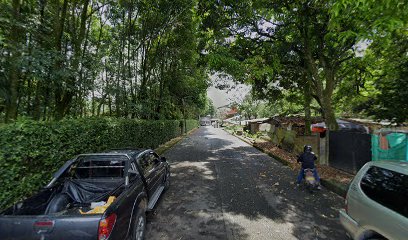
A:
43	226
106	226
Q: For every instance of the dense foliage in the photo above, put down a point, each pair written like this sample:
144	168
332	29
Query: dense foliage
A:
346	57
377	78
134	59
32	151
150	59
191	124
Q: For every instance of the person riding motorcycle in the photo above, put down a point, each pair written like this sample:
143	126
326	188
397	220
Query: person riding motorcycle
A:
307	158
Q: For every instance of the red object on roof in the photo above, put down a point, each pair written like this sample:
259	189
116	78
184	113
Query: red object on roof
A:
319	129
343	126
233	111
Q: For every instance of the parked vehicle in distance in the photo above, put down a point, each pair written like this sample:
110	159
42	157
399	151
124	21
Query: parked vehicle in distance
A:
376	205
205	121
94	196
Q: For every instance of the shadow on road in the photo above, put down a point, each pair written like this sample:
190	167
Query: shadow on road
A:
225	189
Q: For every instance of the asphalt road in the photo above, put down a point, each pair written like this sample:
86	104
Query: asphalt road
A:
223	188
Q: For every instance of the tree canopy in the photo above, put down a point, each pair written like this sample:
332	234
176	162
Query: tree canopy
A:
347	56
150	59
127	58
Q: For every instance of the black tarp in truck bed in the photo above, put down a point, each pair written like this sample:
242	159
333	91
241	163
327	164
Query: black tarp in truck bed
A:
88	190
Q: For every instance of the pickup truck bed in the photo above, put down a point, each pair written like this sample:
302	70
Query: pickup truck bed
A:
33	220
66	207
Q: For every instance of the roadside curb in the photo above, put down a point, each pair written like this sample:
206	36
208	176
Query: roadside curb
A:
169	144
328	184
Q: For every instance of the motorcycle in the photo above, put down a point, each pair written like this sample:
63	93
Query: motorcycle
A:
310	180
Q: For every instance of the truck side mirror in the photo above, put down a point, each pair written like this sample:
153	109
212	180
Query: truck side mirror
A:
163	159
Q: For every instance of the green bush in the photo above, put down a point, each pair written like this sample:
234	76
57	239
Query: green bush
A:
233	128
32	151
191	124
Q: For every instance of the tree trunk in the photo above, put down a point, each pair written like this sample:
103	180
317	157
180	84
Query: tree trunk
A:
143	94
110	105
37	102
161	89
14	72
119	73
95	73
64	96
329	116
307	102
322	87
134	86
59	29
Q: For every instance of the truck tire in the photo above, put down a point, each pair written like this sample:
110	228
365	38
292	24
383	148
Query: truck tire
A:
139	227
167	180
58	203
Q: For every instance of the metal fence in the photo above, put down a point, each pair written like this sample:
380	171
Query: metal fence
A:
349	151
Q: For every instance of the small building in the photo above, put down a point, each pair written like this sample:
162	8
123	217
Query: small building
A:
260	124
292	123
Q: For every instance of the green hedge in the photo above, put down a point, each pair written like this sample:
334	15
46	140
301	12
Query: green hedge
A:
191	124
30	152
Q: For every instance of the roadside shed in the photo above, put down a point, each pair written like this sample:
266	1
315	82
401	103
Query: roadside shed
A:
260	124
294	123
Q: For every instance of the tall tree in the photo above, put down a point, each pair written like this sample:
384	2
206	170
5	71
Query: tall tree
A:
286	37
382	69
14	36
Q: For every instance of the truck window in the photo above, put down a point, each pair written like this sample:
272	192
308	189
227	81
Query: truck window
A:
94	167
153	160
389	188
145	164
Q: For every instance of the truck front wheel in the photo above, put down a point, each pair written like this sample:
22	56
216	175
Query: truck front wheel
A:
167	180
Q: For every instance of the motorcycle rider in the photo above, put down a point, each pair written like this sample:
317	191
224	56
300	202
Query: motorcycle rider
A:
307	158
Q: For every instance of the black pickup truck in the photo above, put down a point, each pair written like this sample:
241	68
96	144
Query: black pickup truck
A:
93	196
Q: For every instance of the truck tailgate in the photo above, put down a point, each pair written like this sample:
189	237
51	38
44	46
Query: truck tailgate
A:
49	227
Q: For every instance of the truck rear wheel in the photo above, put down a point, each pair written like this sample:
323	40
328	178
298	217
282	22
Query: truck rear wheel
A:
139	229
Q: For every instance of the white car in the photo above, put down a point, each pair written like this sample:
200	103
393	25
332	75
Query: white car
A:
376	205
